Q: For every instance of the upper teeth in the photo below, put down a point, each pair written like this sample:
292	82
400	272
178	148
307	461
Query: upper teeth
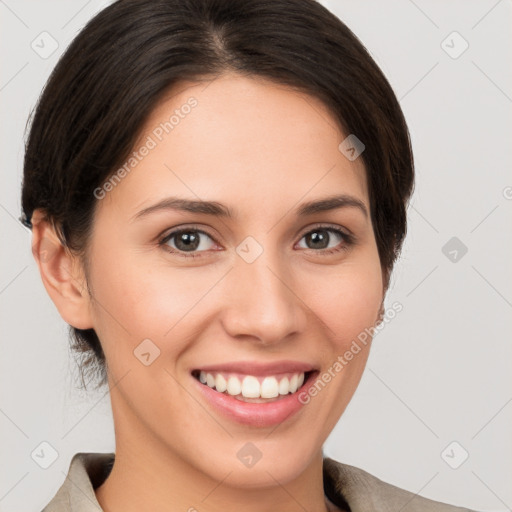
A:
253	387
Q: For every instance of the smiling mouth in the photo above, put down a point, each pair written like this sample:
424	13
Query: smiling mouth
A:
250	388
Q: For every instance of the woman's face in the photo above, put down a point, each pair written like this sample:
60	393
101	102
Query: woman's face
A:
251	298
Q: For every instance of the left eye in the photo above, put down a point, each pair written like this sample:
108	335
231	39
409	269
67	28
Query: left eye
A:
320	238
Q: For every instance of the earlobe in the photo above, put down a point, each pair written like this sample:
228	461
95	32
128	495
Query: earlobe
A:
61	272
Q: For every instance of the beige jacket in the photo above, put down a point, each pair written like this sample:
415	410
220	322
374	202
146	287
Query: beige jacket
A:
349	488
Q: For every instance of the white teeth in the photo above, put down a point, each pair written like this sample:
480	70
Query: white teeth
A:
269	387
210	380
234	386
293	383
220	383
284	386
250	386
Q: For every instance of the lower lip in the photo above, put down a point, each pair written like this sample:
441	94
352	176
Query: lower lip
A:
255	414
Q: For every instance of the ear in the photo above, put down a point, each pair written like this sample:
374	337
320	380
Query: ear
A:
61	272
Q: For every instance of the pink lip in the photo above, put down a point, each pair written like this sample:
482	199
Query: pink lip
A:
259	369
255	414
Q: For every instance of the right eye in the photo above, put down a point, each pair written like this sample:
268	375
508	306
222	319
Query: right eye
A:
186	242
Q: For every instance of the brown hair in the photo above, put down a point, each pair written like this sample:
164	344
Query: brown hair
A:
116	70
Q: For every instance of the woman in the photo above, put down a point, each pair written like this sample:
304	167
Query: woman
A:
217	192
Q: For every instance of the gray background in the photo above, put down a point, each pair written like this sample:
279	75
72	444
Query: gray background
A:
439	372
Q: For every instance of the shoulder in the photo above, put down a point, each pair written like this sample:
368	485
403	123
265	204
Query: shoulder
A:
347	485
86	472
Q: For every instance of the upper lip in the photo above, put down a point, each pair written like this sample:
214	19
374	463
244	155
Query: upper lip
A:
257	369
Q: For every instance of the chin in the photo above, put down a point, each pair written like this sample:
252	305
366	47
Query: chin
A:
259	464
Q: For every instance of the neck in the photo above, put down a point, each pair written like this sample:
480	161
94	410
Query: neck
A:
147	474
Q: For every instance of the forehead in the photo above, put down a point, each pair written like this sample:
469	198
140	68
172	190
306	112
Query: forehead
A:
242	141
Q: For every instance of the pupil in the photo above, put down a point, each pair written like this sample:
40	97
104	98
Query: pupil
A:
189	241
319	237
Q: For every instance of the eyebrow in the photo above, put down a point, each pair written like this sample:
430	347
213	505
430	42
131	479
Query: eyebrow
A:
217	209
331	203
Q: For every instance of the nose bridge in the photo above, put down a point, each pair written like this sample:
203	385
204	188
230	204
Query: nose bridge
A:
261	301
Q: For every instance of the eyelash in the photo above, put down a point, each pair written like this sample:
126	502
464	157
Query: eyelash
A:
349	240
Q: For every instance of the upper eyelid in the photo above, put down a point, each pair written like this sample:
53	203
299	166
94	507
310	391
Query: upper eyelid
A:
177	231
327	226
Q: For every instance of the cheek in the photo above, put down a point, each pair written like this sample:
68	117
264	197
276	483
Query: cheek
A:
347	300
136	301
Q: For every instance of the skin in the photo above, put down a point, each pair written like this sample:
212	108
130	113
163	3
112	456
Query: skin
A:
261	149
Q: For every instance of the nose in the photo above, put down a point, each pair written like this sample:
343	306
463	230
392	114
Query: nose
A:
260	301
